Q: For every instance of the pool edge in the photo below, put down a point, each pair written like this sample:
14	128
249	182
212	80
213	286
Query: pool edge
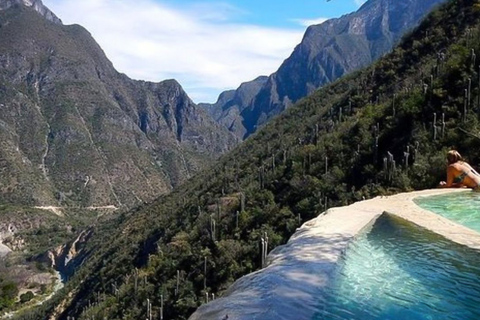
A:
324	239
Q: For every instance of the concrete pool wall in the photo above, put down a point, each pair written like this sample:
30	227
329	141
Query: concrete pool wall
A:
297	272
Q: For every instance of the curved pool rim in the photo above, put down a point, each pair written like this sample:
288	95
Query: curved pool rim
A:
319	244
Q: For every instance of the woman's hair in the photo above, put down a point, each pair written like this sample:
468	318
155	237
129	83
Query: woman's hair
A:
453	156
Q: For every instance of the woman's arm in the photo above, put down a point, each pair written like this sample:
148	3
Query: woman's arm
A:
450	176
451	173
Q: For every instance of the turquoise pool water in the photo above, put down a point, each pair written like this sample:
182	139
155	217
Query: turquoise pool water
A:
399	271
463	208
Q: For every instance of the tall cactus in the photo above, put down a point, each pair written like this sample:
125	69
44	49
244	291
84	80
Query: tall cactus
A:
265	249
469	93
262	252
212	228
205	273
149	310
242	202
474	58
261	177
406	156
178	284
415	151
161	307
443	125
390	166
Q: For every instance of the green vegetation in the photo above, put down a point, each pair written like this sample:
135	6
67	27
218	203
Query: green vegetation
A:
382	130
8	293
27	296
37	231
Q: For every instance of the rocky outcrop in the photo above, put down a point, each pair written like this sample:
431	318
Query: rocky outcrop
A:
66	258
230	104
8	241
327	52
37	5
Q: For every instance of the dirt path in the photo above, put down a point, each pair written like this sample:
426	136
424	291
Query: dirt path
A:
59	210
56	210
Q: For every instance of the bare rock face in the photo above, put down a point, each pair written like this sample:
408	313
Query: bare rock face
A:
230	105
37	5
327	52
75	132
67	257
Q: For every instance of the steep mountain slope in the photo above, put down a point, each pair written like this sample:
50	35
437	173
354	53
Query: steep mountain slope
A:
75	132
378	131
328	51
230	104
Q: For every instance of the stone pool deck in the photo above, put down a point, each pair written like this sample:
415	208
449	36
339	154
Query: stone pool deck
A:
346	222
301	269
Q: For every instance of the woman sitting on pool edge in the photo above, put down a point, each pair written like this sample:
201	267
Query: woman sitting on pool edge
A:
459	173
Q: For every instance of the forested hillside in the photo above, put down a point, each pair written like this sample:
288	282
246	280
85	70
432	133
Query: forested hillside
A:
379	131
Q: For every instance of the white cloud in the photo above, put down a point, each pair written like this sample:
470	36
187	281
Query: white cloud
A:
310	22
199	46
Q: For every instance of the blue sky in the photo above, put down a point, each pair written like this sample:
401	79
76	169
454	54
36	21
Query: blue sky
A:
208	46
275	13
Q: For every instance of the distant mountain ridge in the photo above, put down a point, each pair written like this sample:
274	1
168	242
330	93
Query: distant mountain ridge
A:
230	105
327	51
75	132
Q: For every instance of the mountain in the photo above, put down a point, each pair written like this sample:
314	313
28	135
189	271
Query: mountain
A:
378	131
230	105
327	52
76	133
36	5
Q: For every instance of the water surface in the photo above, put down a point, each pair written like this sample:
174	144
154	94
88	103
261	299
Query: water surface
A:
400	271
463	208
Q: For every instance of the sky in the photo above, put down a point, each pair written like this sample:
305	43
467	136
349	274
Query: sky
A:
208	46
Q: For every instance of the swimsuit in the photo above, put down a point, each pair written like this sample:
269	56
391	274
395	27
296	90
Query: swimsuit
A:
461	177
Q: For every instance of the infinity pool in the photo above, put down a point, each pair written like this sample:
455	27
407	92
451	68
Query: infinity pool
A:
392	270
400	271
463	208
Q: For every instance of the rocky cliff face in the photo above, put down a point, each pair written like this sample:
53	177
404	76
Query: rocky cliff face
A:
66	258
74	131
230	105
37	5
328	51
